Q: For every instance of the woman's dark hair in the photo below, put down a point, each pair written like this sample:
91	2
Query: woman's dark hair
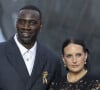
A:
75	41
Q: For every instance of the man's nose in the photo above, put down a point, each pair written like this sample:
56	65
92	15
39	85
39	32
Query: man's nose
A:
26	26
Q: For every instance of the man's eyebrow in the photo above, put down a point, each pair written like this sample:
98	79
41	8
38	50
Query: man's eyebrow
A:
30	19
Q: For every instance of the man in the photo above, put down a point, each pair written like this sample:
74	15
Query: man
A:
25	64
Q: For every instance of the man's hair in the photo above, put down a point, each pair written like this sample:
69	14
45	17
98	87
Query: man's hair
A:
32	7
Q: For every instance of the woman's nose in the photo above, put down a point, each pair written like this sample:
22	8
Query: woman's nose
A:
74	60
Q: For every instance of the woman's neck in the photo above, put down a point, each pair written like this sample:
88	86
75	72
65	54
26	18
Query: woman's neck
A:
74	77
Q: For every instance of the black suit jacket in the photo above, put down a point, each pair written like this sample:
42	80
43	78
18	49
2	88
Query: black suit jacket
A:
14	74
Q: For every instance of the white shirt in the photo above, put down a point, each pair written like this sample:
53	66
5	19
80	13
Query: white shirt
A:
27	54
2	38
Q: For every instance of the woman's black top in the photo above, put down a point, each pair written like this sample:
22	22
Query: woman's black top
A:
86	83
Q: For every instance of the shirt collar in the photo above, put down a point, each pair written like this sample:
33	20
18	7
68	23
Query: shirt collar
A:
22	49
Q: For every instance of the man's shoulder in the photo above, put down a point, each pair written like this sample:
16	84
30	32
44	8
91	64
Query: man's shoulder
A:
2	44
6	44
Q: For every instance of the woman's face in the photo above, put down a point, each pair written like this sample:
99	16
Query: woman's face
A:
74	57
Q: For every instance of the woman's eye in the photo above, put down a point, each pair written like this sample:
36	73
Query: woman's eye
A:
79	55
68	56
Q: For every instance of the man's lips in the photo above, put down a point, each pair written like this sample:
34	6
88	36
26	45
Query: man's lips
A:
26	34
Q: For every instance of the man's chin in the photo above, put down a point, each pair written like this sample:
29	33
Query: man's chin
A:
26	41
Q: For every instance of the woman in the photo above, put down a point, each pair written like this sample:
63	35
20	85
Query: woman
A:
74	56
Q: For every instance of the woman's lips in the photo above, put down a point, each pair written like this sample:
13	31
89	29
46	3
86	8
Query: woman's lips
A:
74	66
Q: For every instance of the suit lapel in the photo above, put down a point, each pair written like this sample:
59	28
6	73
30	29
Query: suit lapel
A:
16	60
38	66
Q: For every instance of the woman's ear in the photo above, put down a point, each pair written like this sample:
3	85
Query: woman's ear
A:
86	56
63	61
62	57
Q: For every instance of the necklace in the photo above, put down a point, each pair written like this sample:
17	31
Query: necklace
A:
76	78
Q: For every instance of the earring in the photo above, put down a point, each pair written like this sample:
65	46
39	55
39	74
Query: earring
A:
64	65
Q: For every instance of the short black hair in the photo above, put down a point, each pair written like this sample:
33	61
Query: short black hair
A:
32	7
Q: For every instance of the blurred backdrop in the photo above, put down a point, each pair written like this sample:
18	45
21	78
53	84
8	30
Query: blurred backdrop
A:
61	18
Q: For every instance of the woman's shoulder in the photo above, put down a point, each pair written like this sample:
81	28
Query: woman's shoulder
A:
92	82
91	76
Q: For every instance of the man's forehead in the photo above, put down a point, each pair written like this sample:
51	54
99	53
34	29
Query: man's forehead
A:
27	13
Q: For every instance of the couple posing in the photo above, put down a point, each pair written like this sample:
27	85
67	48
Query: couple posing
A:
26	64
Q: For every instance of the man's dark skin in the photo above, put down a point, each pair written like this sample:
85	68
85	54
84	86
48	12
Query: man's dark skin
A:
28	25
14	74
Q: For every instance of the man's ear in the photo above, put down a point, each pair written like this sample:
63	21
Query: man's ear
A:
41	25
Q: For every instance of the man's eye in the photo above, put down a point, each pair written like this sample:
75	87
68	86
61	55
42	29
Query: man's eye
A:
21	22
33	22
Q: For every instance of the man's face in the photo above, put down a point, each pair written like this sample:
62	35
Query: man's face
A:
28	25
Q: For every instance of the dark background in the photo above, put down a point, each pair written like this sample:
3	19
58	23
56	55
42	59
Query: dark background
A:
61	18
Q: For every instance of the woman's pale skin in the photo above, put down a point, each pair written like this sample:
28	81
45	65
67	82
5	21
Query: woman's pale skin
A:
75	58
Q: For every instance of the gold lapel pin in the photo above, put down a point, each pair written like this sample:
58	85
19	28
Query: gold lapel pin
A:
44	77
